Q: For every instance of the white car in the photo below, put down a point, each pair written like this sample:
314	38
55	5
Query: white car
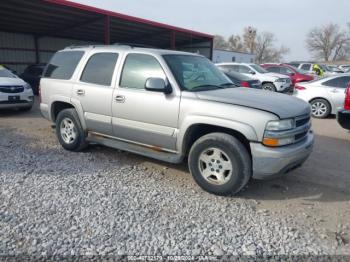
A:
14	92
326	96
270	81
345	68
308	67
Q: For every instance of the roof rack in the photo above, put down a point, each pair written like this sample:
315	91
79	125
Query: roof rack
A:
134	45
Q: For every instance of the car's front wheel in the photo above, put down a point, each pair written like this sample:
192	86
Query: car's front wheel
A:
220	164
269	87
69	132
320	108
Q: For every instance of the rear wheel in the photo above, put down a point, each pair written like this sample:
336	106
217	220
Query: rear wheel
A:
220	164
69	132
320	108
269	87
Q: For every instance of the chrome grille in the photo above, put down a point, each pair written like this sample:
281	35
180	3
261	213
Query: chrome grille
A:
11	89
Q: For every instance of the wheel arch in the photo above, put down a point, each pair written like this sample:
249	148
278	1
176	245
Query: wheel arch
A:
197	130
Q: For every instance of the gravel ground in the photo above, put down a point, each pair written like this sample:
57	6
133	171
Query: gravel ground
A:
54	202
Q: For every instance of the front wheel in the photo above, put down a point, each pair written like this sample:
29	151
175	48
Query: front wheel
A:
320	108
69	132
220	164
269	87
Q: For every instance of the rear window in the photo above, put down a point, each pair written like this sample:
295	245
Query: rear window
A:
63	64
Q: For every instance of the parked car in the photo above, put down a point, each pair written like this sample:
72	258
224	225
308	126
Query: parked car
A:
295	74
270	81
14	92
344	114
171	106
345	68
308	67
326	95
335	69
242	80
32	75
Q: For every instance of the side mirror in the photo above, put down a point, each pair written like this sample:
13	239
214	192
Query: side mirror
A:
251	72
292	74
157	85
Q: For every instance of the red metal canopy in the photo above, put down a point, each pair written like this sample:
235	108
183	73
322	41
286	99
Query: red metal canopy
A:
76	21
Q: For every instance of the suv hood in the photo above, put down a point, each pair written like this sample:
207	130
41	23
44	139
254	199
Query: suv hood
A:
284	106
10	81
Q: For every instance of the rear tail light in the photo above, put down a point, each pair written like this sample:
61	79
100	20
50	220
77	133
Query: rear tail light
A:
347	98
245	84
299	87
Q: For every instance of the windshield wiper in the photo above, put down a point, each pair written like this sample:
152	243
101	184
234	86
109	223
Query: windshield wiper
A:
228	84
204	86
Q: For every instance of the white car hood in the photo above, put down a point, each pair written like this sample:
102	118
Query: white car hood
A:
10	81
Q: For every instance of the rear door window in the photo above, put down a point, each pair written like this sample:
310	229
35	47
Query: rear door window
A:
306	67
99	69
63	65
273	69
244	69
339	82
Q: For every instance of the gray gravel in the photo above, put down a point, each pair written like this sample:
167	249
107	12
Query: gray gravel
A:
54	202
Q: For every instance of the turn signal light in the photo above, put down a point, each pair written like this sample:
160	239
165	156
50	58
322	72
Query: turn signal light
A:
270	142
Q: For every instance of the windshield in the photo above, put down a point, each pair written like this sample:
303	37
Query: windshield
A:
259	69
196	73
6	73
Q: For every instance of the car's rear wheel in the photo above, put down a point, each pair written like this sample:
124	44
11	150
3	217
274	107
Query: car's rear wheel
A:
69	132
320	108
220	164
269	87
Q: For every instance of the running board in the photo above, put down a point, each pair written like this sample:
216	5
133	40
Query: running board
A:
148	151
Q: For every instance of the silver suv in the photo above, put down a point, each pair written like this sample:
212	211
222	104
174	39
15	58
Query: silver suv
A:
172	106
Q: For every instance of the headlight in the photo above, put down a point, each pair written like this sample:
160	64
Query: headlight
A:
278	133
280	125
27	86
280	80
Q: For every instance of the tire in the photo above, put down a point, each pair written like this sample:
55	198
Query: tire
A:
204	158
69	132
320	108
269	87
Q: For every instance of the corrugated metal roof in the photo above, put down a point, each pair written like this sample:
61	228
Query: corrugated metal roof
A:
76	21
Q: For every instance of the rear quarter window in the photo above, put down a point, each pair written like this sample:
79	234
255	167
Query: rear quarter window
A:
63	65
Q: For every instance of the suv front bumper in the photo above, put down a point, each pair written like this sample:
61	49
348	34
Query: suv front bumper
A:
271	162
343	117
25	99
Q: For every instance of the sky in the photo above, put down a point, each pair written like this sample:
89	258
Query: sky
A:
289	20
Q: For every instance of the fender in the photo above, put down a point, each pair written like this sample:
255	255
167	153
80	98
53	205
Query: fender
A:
79	108
247	130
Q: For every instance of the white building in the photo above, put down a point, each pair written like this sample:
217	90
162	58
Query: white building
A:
221	56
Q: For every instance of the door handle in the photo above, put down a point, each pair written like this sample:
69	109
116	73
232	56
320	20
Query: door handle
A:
120	99
80	92
334	90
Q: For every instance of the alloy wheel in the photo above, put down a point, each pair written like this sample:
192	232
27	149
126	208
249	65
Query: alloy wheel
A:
215	166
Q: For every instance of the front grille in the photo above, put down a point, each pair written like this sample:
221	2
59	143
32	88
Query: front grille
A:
299	121
11	89
14	102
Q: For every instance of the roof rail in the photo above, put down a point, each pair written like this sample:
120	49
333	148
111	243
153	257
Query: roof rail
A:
134	45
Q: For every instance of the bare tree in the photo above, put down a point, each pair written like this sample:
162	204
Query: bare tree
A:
328	42
265	50
220	42
235	43
249	38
